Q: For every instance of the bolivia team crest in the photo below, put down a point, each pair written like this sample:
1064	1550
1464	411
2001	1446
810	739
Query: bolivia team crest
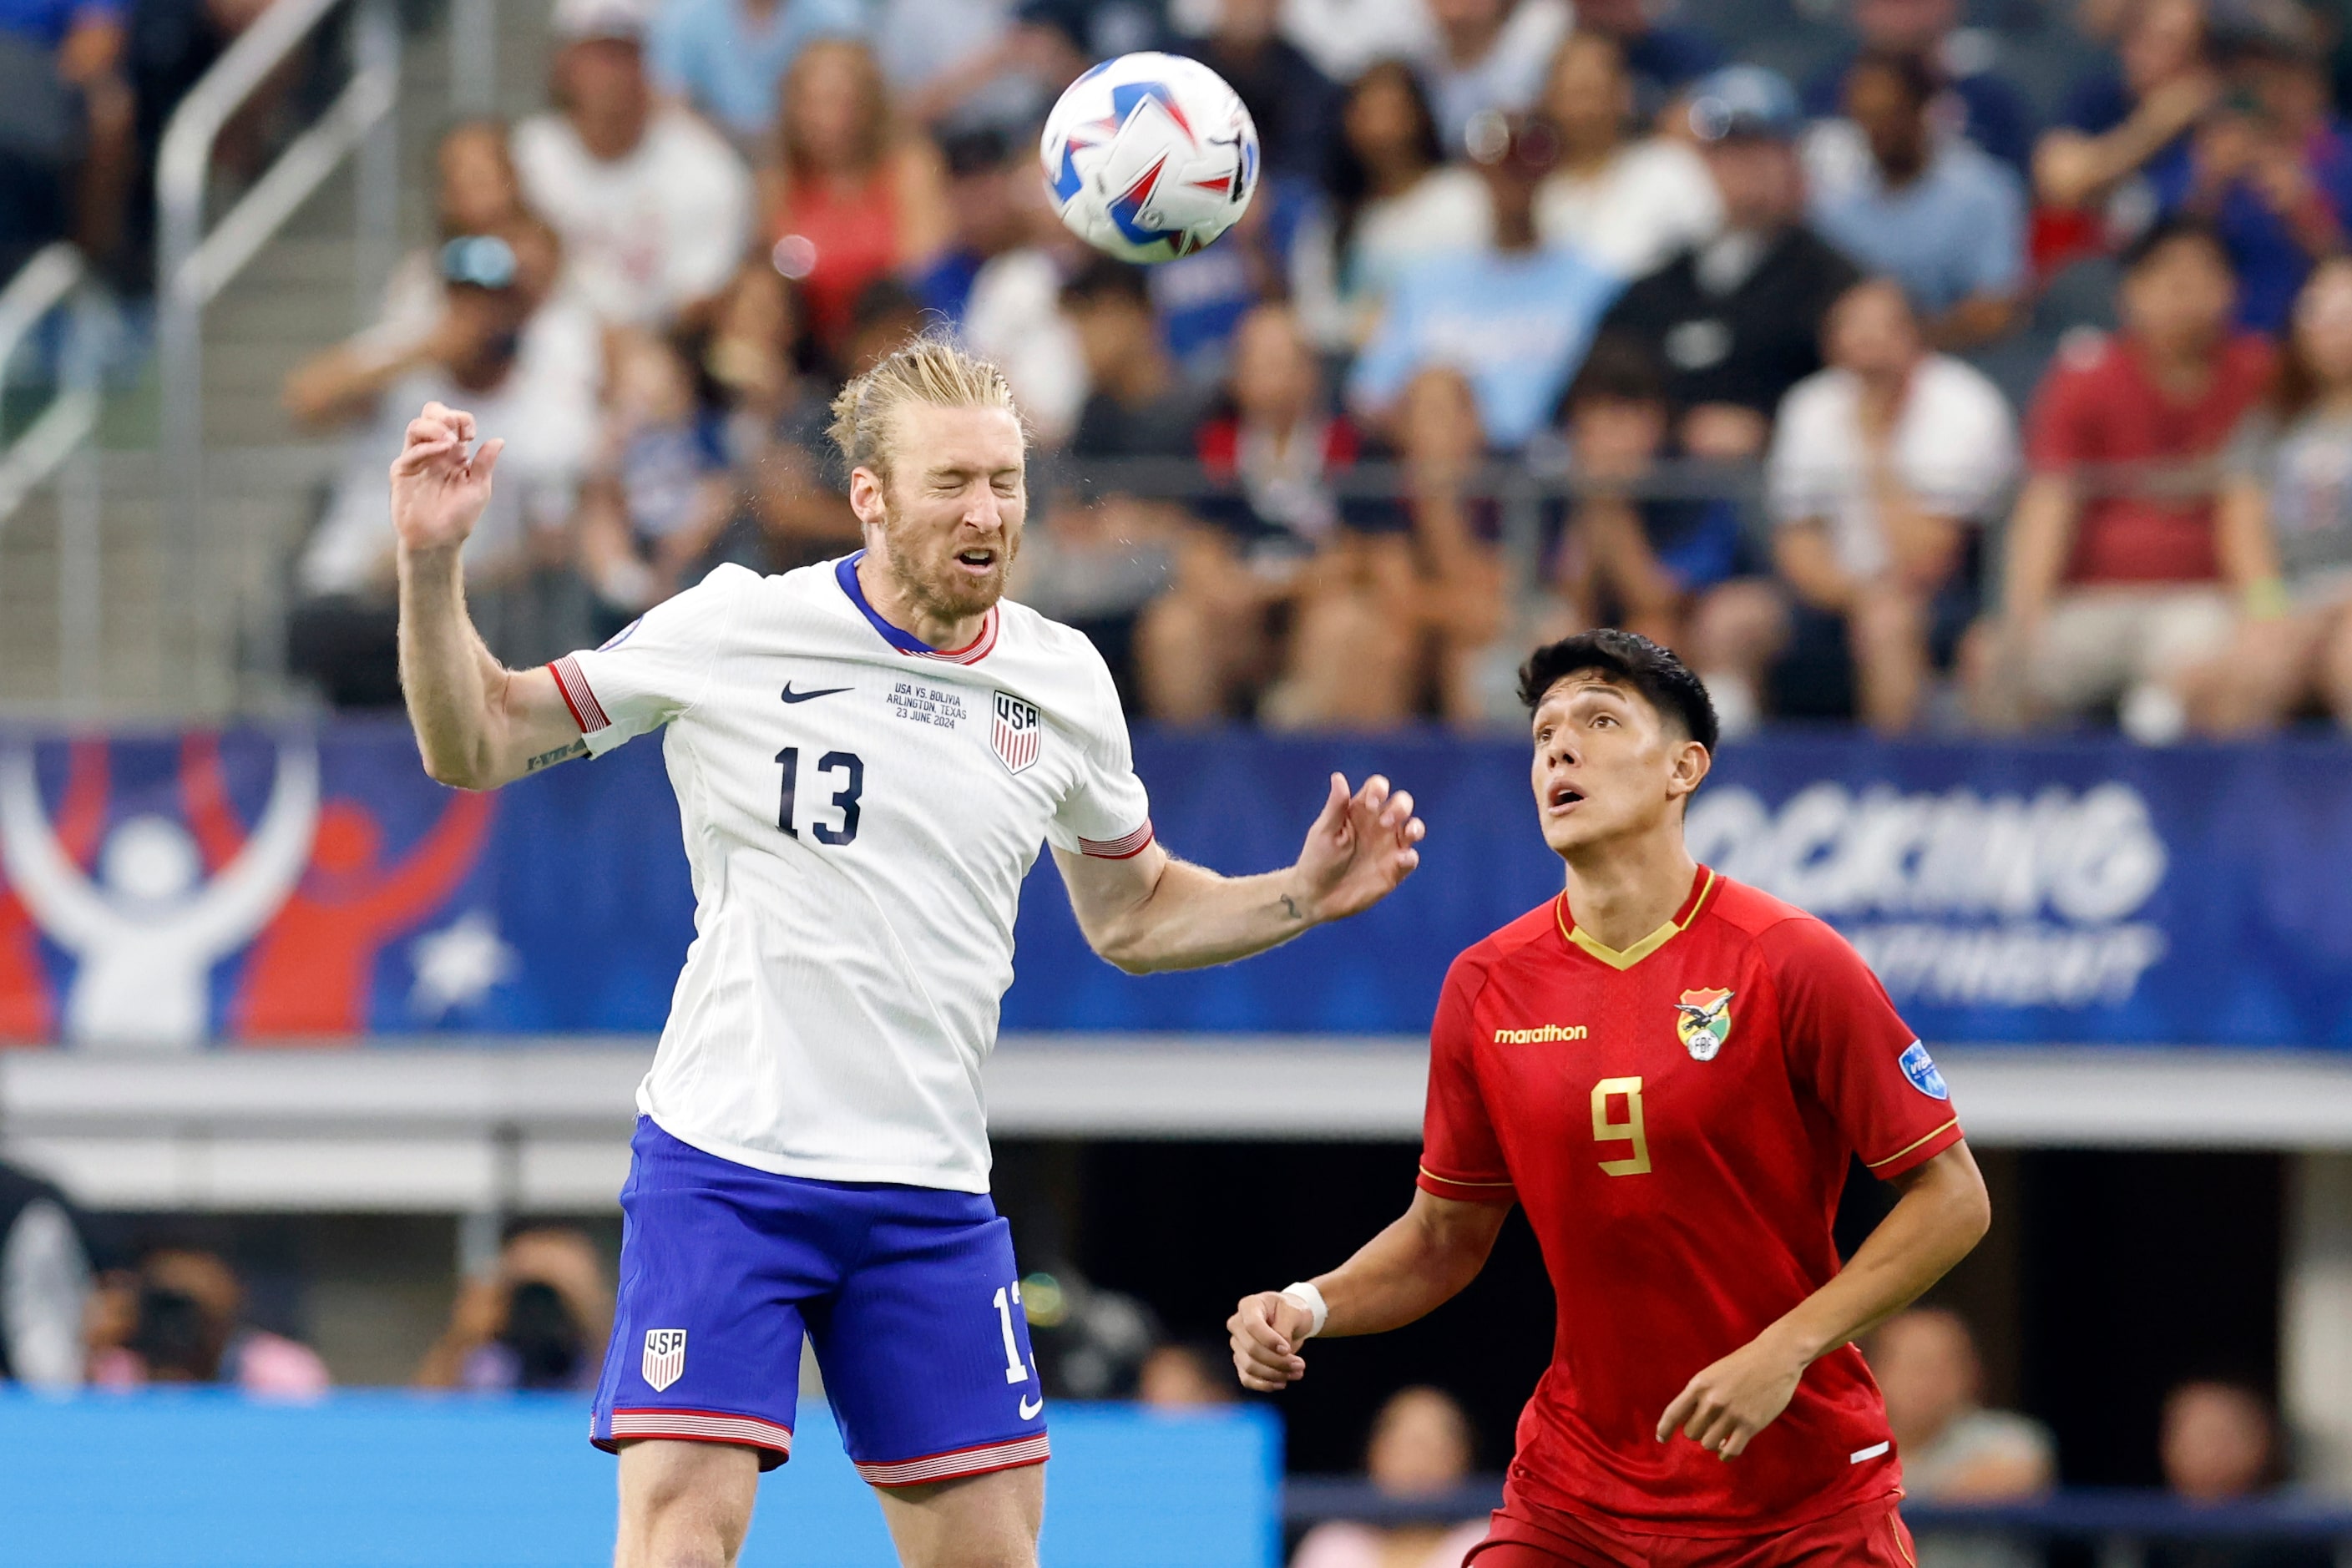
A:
665	1357
1703	1018
1016	732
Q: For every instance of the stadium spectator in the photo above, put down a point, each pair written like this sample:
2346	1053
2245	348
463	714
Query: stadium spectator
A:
508	345
45	1283
956	63
653	207
2118	584
1203	648
65	126
1421	1447
1737	319
1461	600
1677	569
850	197
985	216
1490	58
1954	1450
2119	118
2271	167
1976	102
786	470
1137	405
1626	202
1013	313
1936	215
1392	200
1661	59
1178	1376
1882	468
2219	1442
538	1320
1098	563
179	1317
2289	478
654	497
1291	102
478	193
727	58
1346	38
1514	318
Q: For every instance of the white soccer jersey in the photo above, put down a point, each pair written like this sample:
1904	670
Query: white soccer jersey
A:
859	812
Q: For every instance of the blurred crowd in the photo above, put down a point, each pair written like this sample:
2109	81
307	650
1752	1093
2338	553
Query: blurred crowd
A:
2218	1441
1895	395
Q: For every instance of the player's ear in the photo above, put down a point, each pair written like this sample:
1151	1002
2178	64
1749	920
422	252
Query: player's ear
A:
866	495
1691	762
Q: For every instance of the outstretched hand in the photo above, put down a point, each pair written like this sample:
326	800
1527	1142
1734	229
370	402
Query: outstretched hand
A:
1360	848
441	481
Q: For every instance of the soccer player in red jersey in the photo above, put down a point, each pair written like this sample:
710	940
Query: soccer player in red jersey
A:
1670	1072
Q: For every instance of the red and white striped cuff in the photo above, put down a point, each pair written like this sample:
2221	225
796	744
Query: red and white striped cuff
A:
702	1427
947	1467
569	680
1117	848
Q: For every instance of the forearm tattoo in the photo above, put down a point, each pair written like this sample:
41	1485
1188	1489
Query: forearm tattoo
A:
560	753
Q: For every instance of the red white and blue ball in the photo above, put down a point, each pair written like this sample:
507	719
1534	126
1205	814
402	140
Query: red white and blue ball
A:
1149	157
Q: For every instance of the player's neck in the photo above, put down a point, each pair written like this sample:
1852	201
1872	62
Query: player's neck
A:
896	604
1620	891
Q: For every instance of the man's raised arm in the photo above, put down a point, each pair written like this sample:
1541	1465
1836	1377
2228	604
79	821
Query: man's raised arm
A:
1152	911
478	724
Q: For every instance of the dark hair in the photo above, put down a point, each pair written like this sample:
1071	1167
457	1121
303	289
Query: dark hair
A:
1345	177
1620	368
1103	278
1912	73
1630	659
2160	236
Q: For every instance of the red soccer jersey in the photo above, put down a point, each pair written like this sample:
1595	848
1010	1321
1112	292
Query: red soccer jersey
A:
1676	1121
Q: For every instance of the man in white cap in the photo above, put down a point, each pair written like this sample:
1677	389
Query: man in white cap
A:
653	205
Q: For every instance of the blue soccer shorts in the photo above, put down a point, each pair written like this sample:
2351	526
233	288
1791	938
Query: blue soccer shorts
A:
908	1293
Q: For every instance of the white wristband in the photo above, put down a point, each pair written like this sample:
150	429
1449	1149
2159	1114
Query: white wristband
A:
1305	1293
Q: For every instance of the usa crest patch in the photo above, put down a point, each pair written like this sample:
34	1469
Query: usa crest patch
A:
1016	733
665	1359
1920	1068
1703	1019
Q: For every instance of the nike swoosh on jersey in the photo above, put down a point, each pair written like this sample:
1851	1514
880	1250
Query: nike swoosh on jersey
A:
791	695
1031	1410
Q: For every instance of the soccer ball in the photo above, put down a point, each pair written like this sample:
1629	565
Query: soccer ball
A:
1149	157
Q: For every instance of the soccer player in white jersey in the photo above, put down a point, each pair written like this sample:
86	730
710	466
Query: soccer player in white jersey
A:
866	754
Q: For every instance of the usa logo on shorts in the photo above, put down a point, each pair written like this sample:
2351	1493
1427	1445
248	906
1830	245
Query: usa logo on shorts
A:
665	1357
1016	733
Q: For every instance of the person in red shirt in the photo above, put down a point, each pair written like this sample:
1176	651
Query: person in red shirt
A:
1670	1072
2122	580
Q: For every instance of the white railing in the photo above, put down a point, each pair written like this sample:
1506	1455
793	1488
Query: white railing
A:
193	267
49	280
58	438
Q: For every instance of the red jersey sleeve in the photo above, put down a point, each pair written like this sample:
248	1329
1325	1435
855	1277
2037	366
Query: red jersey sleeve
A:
1460	1156
1846	1044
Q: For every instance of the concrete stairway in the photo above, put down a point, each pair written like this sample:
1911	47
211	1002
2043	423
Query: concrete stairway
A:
187	628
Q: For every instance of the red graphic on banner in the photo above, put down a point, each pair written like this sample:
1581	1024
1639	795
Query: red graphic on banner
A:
28	1010
308	974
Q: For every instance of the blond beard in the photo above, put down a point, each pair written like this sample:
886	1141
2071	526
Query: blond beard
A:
953	596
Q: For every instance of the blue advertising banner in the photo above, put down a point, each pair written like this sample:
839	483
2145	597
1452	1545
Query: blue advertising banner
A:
314	888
